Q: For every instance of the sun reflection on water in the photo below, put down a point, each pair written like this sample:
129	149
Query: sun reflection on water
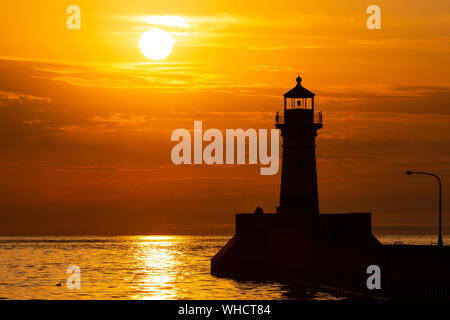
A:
156	268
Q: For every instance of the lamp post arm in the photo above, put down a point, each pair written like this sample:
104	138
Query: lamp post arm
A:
428	174
440	242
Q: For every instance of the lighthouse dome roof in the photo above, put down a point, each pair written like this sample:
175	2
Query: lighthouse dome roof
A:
299	91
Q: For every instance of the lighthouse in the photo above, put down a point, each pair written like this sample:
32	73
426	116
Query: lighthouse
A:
297	241
299	125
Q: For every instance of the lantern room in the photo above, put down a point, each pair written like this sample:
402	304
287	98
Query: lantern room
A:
299	97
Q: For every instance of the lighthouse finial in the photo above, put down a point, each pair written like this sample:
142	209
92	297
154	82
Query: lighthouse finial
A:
299	79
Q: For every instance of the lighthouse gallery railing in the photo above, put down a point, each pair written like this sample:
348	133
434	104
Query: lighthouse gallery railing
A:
318	118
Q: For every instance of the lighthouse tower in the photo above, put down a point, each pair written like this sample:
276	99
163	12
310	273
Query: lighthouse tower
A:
298	242
299	195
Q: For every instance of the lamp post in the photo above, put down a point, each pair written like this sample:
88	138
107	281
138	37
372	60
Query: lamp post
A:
440	242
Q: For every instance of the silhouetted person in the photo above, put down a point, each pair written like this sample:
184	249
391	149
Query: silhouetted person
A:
259	211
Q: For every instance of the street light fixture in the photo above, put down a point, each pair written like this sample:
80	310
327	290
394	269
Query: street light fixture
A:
440	242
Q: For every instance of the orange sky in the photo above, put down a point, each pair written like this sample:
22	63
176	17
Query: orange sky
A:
86	119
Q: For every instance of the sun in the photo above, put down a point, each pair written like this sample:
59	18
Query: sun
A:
156	44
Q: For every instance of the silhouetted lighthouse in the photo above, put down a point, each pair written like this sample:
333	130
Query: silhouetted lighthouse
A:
299	194
337	250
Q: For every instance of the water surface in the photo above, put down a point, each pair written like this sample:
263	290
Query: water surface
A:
135	267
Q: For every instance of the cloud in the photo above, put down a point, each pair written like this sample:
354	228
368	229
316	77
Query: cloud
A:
122	119
20	97
176	77
377	97
178	21
269	68
255	32
170	21
433	43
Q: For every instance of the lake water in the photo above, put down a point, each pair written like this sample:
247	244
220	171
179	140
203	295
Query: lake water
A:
136	267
